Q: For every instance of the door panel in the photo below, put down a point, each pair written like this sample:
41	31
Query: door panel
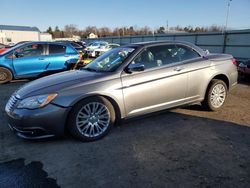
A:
200	71
57	57
57	62
29	60
30	66
154	90
162	85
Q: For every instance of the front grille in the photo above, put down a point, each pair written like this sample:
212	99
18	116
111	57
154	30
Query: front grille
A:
11	103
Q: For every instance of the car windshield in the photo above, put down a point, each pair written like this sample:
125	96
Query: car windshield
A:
110	60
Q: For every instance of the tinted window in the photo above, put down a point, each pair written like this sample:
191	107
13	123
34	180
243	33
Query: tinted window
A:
30	50
57	49
157	56
186	53
147	59
75	45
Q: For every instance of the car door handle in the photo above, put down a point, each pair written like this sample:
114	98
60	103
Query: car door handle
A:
41	58
66	55
178	69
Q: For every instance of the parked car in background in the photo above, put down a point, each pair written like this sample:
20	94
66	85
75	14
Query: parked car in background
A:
244	68
89	50
34	59
2	50
3	47
79	48
102	49
124	82
81	43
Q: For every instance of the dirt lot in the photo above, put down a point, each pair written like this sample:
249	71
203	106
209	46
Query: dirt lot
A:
185	147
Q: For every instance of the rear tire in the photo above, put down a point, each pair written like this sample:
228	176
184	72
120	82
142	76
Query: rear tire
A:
5	75
215	96
91	119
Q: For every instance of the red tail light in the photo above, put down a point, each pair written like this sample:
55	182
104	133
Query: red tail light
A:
234	62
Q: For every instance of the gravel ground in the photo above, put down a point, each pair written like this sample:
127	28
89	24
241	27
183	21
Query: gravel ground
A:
185	147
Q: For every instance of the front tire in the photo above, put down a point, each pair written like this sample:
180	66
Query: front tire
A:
91	119
5	75
216	95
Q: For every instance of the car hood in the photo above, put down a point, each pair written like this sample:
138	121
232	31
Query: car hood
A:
57	82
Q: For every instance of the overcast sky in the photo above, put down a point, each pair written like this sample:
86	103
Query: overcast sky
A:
117	13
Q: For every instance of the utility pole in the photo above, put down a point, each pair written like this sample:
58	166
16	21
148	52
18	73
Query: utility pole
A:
228	8
167	27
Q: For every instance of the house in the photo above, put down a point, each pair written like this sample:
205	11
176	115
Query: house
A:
10	34
92	36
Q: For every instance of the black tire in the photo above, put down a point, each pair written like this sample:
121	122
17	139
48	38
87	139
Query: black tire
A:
207	103
73	116
5	75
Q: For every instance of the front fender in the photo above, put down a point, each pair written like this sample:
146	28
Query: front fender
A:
110	89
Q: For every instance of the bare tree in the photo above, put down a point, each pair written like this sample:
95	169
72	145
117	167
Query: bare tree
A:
70	30
104	31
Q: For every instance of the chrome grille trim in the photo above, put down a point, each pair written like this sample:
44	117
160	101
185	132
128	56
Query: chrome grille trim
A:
11	103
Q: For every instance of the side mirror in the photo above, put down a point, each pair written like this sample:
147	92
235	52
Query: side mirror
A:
137	67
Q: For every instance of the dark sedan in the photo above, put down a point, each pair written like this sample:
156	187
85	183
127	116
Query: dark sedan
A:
244	68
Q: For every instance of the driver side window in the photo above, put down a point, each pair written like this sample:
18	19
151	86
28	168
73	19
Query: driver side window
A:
30	51
157	56
146	58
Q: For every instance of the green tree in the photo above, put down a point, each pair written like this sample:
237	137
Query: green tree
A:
50	31
57	29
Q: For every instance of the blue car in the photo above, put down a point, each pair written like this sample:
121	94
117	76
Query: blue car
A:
35	59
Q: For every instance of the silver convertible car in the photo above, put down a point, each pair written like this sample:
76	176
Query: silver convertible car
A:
125	82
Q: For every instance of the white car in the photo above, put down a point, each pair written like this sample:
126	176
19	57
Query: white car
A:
90	48
99	51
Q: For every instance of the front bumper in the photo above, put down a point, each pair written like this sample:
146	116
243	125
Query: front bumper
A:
38	123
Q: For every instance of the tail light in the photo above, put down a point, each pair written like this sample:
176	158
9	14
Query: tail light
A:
234	62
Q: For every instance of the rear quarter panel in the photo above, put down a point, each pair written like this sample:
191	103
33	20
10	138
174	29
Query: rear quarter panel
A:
201	73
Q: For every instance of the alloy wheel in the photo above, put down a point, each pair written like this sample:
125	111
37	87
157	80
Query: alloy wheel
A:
218	95
93	119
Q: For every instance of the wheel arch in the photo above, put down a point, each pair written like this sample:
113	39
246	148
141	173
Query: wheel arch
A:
10	73
9	69
110	99
222	77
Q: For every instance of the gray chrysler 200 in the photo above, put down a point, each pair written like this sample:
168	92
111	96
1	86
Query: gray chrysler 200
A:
125	82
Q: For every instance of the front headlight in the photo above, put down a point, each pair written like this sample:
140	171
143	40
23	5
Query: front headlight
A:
36	101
